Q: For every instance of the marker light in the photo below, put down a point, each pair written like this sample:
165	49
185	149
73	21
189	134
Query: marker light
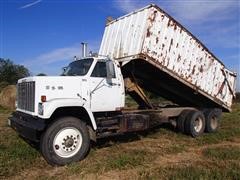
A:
43	98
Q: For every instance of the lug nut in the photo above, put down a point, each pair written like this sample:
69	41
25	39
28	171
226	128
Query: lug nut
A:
56	147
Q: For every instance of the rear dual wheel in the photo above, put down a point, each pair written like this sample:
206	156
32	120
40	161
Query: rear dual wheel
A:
212	119
181	120
191	122
195	123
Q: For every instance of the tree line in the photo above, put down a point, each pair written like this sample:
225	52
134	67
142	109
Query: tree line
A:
10	72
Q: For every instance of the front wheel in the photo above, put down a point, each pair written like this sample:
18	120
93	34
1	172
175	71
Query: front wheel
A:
65	141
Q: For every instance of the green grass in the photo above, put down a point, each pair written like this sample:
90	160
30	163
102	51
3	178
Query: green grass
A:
197	170
129	159
15	155
121	160
223	153
211	156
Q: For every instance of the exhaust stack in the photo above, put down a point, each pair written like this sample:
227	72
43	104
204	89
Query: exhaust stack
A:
84	49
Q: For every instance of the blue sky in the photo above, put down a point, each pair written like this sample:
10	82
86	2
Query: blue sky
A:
44	35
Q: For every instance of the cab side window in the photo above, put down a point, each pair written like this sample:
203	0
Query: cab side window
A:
100	70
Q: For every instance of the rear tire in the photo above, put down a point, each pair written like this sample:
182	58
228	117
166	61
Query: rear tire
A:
181	120
66	140
212	117
195	123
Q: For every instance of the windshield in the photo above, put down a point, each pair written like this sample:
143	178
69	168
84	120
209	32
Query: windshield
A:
78	68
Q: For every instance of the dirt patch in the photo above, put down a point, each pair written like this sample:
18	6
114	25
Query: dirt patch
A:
8	97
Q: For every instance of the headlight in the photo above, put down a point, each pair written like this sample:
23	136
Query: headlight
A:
40	108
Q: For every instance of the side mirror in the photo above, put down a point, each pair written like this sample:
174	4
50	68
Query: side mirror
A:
110	71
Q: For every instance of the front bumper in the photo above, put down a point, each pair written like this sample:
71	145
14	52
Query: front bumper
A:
30	127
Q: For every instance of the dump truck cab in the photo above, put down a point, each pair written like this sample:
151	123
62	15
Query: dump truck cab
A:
87	86
93	83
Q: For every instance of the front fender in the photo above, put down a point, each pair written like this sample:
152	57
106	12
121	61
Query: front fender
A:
50	106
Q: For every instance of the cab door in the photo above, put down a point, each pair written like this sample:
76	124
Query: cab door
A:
104	96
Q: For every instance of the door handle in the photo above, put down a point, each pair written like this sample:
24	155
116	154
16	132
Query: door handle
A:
114	84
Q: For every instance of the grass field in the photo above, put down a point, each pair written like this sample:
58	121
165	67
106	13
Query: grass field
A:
159	154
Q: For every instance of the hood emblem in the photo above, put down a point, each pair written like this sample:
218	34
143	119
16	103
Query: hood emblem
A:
53	87
60	87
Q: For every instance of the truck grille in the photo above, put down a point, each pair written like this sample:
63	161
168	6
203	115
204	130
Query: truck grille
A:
26	96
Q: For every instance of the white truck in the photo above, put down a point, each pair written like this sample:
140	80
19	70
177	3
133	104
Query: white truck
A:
144	50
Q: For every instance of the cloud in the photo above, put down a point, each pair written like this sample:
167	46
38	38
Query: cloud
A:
201	10
48	62
127	6
187	10
55	55
30	4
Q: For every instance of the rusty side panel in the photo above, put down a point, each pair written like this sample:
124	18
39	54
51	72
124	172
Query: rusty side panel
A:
134	122
152	33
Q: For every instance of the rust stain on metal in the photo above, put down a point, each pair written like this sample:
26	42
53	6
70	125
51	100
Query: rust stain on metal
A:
163	45
171	43
193	70
221	88
179	58
148	32
201	69
162	17
169	22
175	26
152	17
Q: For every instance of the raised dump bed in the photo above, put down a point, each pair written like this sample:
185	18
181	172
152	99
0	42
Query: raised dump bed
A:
167	59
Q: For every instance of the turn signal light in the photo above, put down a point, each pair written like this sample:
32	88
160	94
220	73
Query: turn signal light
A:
43	98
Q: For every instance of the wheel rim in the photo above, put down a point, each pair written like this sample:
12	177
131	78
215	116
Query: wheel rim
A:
198	124
214	122
67	142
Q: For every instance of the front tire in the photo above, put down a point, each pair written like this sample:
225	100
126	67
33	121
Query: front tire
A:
65	140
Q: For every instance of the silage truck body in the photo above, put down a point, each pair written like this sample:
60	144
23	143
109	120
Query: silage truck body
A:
146	50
